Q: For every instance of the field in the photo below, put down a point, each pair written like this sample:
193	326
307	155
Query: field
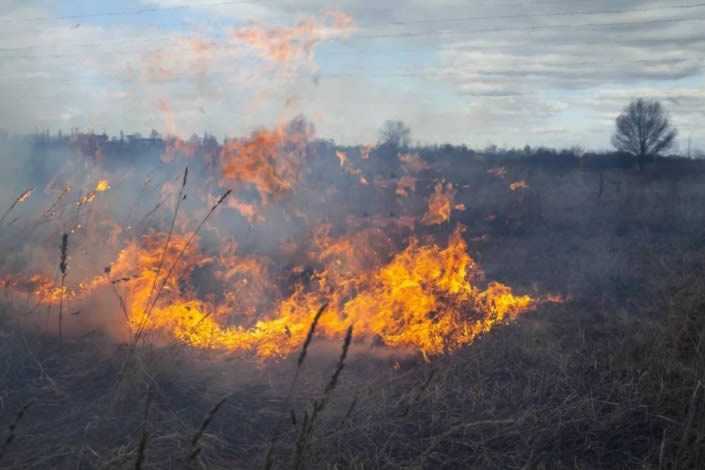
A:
605	370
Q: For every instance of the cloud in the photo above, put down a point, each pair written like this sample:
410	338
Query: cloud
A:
504	72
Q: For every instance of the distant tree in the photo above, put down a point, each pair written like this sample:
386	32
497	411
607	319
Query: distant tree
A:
644	130
395	134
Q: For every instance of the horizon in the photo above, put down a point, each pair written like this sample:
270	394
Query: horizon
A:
491	148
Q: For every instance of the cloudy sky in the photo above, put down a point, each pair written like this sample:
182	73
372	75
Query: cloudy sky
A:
504	72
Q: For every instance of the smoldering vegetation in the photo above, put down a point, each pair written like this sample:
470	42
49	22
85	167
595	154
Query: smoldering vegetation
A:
606	371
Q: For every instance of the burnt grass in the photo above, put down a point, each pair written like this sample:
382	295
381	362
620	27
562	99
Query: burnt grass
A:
613	377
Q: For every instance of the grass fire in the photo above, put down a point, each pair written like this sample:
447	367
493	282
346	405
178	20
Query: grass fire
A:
313	282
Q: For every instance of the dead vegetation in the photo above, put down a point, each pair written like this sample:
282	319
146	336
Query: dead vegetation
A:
572	386
612	377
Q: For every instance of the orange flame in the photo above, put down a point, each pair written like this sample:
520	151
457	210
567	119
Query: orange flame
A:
348	167
413	163
271	161
102	186
519	185
24	196
286	45
422	299
440	204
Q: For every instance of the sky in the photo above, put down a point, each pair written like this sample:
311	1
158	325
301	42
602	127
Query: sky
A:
485	72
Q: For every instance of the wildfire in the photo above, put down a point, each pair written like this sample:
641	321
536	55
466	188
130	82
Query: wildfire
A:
424	298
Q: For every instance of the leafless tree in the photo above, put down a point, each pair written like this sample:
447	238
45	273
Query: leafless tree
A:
395	133
644	130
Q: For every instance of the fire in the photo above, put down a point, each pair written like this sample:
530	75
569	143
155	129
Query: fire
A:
289	44
405	186
47	292
269	160
348	167
424	298
24	196
519	185
413	163
253	290
246	209
440	204
102	186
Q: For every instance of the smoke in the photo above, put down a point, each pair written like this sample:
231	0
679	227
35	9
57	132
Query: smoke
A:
156	247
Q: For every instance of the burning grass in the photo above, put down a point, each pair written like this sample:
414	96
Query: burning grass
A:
567	387
448	366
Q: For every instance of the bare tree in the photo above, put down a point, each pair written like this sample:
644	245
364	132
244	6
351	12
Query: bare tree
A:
644	130
395	134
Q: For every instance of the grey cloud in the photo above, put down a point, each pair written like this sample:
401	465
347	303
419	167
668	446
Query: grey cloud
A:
510	85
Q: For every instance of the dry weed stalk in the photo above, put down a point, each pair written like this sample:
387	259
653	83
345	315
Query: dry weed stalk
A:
304	439
180	255
179	198
269	457
13	427
690	418
195	449
141	449
63	265
24	195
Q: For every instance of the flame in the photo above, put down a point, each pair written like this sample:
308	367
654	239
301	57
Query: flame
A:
424	298
86	199
405	186
48	292
246	209
269	160
440	204
286	45
519	185
102	186
348	167
26	194
413	163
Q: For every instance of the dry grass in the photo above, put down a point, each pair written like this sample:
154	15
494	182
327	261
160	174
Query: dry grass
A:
569	387
611	379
